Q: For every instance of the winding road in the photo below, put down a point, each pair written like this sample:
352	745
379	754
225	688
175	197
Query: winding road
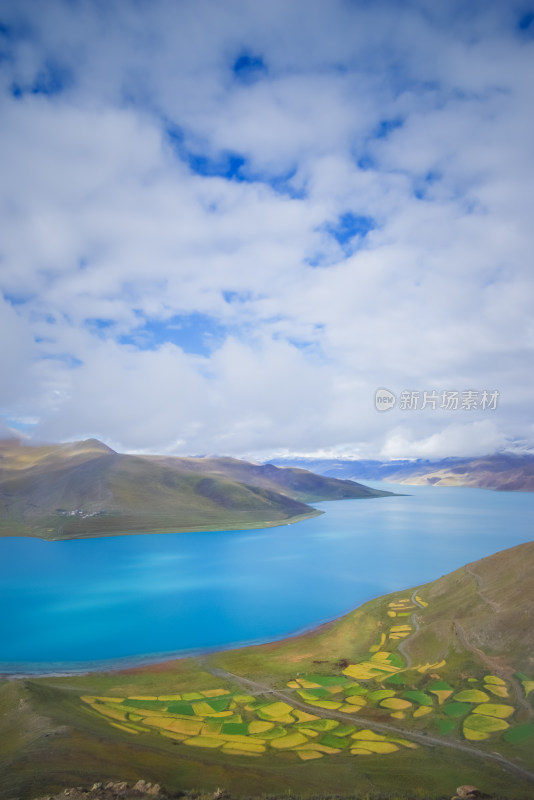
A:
494	664
428	740
401	647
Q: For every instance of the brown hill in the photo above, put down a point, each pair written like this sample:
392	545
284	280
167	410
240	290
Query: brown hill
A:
87	489
511	472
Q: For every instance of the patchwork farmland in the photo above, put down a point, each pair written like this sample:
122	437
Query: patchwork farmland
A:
382	686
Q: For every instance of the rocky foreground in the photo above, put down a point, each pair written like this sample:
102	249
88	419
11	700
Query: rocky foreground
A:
113	790
121	790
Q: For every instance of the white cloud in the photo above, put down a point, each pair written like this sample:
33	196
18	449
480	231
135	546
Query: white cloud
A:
16	352
416	117
468	439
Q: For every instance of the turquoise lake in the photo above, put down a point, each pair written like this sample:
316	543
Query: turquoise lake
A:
134	599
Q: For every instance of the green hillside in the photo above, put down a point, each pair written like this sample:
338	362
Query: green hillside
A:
409	696
87	489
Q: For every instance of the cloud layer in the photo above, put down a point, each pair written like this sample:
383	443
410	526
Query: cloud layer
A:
226	224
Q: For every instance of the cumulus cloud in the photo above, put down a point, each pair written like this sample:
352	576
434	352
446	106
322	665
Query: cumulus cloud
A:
227	224
468	439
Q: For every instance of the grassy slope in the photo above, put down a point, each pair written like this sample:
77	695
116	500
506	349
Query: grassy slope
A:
301	484
508	581
127	494
49	739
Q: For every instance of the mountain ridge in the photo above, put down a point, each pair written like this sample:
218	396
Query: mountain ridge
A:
499	471
87	489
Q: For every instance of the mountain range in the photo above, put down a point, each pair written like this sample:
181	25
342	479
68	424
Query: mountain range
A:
502	471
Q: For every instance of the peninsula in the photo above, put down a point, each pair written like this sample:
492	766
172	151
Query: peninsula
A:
85	489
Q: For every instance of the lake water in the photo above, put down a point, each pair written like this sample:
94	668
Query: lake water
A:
64	605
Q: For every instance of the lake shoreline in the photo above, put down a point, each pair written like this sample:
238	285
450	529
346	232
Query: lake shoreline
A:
86	607
161	662
229	527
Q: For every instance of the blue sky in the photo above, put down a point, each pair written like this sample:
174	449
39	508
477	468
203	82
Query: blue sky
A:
226	224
